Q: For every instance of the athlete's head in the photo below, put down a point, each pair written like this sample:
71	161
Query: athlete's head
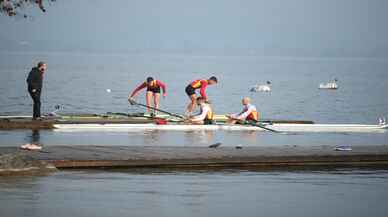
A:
42	66
150	80
246	100
200	100
213	80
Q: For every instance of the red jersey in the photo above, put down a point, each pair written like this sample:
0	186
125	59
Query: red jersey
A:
154	84
202	85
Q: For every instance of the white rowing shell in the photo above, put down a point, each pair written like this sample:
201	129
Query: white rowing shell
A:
176	127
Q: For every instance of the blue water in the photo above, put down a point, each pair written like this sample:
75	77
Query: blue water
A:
78	82
232	193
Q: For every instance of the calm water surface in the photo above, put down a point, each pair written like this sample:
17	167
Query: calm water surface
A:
228	193
78	82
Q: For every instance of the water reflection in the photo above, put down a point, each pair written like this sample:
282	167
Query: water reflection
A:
34	137
250	136
151	138
199	137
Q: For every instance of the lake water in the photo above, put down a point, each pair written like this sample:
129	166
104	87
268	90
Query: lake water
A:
78	83
231	193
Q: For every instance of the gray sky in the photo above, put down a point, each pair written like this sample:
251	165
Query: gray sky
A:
350	27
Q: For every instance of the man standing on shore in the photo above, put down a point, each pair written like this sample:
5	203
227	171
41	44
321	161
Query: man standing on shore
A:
35	81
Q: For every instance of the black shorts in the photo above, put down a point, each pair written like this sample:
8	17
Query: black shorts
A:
190	90
208	122
154	90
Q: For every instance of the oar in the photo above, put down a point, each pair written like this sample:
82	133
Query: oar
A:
133	102
256	124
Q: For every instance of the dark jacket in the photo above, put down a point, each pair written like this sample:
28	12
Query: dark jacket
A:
35	79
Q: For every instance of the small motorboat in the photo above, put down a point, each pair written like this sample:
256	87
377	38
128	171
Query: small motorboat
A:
331	85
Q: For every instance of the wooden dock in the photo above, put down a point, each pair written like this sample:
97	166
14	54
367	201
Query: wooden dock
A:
46	124
68	157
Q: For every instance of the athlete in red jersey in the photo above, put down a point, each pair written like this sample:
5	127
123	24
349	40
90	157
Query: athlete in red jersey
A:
153	90
201	84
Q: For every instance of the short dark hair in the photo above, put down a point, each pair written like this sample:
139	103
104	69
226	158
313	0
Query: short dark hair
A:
40	64
213	78
150	79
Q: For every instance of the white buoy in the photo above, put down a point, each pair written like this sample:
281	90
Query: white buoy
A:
108	90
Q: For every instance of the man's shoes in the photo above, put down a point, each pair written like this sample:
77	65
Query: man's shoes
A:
37	119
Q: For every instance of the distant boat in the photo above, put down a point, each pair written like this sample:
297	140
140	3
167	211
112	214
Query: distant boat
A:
331	85
262	87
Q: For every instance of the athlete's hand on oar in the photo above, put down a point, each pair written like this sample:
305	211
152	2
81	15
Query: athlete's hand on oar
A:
229	116
187	119
233	117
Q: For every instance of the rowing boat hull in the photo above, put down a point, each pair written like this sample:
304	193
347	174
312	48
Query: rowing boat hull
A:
180	127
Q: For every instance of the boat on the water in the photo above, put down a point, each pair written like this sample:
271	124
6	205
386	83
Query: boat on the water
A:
330	86
280	127
138	122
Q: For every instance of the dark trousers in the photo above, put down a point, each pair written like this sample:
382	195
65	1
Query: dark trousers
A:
36	99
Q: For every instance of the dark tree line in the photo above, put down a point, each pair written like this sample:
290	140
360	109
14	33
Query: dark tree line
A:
16	7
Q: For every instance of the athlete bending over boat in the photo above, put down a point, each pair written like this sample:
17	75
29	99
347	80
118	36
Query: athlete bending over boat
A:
153	90
206	113
201	84
249	113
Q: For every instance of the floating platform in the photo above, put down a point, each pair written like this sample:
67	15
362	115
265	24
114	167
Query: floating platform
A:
78	157
26	122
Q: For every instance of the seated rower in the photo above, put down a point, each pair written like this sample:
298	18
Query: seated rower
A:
249	113
206	113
